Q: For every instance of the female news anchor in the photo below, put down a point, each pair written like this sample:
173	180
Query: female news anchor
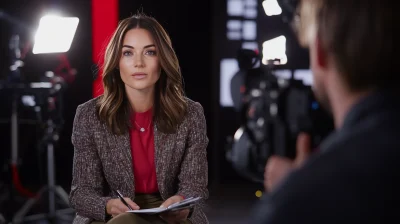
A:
142	137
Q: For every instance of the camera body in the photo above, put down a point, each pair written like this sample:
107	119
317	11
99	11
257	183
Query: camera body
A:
273	111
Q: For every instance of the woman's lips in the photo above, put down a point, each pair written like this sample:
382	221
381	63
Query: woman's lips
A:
139	75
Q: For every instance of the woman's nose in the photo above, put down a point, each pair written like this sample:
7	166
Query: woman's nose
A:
138	61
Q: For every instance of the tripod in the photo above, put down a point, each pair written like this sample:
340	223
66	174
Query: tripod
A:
51	190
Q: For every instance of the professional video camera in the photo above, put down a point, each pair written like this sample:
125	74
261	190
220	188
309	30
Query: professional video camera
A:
273	110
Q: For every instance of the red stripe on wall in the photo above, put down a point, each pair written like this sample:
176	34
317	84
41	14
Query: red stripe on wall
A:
105	15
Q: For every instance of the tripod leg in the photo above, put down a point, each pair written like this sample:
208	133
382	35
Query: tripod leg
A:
14	132
51	181
62	194
19	216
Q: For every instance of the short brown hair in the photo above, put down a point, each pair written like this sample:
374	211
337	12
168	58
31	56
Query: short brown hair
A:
170	104
359	34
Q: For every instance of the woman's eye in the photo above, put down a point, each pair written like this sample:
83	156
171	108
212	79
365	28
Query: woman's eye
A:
151	52
127	53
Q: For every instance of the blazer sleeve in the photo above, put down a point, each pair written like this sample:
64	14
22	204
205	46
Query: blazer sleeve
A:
86	196
193	177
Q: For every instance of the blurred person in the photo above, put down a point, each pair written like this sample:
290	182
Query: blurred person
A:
142	137
353	178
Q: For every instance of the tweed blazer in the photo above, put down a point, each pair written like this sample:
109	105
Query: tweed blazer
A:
103	163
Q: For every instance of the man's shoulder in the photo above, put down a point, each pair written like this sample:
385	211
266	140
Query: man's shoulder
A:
376	125
375	136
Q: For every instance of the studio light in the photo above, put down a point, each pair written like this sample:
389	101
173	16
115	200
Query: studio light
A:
271	7
55	34
275	50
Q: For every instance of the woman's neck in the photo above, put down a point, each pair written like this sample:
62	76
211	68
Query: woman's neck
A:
140	100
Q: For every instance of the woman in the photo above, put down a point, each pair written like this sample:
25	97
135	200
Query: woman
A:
141	137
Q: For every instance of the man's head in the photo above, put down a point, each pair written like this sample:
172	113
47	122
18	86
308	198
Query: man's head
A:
351	39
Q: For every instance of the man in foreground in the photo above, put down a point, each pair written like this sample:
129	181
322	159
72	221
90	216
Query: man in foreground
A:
353	178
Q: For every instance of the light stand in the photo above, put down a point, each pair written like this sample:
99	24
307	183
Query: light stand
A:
53	92
44	37
51	190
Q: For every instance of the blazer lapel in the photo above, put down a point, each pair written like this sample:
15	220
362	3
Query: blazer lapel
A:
161	157
125	159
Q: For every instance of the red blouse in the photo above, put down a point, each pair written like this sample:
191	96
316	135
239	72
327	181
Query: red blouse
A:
142	149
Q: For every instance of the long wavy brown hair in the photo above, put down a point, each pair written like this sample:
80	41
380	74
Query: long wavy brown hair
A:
170	105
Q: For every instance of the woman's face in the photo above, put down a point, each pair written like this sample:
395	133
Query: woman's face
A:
139	64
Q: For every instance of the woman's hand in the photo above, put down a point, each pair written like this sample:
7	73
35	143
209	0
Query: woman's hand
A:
115	207
174	216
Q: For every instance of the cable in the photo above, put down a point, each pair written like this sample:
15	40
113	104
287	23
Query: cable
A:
17	183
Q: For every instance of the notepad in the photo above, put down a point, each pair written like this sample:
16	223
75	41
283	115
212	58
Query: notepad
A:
187	203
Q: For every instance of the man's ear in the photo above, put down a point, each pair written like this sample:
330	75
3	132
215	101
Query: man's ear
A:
321	54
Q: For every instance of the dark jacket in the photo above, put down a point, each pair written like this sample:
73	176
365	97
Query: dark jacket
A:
353	179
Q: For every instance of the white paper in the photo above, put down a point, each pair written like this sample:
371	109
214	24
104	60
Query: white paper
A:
179	205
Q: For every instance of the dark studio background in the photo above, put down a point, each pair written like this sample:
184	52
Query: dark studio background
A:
197	30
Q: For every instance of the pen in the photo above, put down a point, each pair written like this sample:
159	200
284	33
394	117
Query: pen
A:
122	199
